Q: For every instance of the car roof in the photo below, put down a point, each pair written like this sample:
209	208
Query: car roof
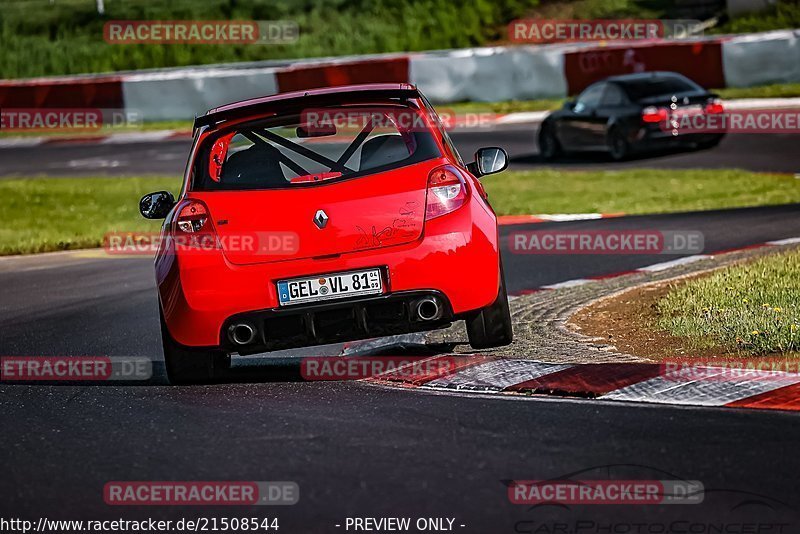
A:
319	96
643	76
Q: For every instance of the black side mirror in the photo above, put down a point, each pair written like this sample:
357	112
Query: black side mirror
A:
156	205
569	104
488	160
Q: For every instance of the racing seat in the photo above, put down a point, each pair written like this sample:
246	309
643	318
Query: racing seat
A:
383	150
257	165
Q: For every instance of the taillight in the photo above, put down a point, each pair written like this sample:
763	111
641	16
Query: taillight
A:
193	218
652	114
447	191
193	228
715	107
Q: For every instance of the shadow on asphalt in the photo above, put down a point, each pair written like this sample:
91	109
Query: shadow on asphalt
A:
259	368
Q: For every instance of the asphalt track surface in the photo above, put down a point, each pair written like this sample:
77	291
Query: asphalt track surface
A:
763	153
363	451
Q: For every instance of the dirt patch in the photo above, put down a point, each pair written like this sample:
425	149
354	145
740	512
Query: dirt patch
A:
628	321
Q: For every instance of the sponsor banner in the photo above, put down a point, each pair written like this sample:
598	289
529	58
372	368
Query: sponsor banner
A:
541	31
74	368
747	121
278	243
223	493
118	32
609	492
361	367
606	242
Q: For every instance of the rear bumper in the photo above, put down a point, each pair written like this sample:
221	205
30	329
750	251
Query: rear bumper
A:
457	258
335	322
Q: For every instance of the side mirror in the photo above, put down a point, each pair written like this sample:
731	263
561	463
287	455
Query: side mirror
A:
569	104
489	160
156	205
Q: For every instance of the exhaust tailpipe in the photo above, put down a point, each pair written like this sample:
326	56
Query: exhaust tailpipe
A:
242	333
428	309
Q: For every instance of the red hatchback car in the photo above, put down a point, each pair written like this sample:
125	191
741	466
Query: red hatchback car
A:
324	216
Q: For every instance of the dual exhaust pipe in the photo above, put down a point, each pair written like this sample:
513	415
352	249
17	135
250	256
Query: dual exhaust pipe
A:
241	333
426	309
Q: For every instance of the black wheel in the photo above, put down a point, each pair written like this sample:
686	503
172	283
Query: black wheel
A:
491	326
618	147
549	145
186	365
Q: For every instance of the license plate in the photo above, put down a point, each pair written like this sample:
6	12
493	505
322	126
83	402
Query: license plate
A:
329	287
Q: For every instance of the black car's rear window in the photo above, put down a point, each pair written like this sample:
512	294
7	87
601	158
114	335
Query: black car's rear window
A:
659	86
313	147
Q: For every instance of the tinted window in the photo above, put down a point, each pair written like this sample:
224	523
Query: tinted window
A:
658	86
590	98
314	147
613	96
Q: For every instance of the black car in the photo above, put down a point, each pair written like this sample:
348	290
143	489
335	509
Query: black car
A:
628	113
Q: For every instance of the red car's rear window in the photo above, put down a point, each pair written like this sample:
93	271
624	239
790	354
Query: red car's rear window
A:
314	146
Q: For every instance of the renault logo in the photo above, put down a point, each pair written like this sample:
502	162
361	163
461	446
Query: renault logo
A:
321	219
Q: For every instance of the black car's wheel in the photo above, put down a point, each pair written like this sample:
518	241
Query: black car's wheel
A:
549	145
186	365
618	147
491	326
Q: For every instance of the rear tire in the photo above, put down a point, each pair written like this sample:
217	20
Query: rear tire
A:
549	146
186	365
491	326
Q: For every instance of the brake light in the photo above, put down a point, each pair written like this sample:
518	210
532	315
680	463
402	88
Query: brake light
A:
193	218
652	114
447	191
715	107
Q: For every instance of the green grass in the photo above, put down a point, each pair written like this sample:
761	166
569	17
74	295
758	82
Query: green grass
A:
778	90
636	191
47	214
752	308
39	37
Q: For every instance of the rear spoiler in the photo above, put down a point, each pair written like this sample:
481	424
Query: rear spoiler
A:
214	118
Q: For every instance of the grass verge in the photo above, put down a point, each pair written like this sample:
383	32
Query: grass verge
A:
636	191
46	214
752	308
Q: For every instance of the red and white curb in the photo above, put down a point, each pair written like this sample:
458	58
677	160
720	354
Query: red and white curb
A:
629	382
656	267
